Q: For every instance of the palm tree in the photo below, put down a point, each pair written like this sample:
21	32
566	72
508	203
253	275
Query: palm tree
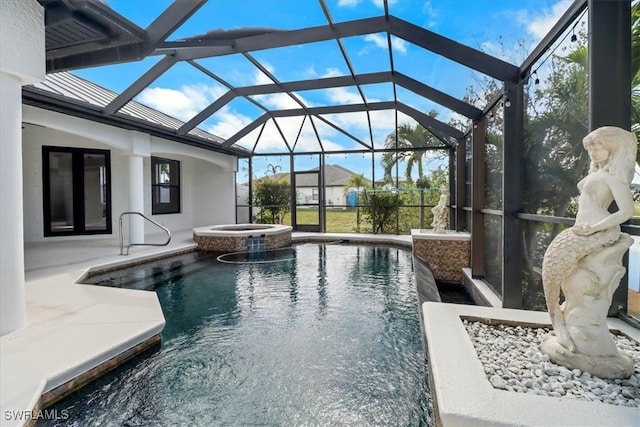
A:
410	143
357	181
272	169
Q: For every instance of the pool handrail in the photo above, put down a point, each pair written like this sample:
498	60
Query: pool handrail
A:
166	230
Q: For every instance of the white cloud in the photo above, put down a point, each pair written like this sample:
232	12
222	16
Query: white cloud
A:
538	25
380	40
277	101
430	12
311	72
354	3
229	122
182	104
380	3
260	78
271	139
331	72
342	96
187	101
399	44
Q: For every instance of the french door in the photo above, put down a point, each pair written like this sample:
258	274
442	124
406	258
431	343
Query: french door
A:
76	191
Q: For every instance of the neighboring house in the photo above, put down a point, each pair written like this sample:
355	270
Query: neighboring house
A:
336	178
80	174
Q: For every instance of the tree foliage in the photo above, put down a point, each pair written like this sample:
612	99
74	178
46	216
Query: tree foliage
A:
272	197
554	159
411	143
357	181
381	208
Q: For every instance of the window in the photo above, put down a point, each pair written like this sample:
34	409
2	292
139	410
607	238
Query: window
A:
315	194
77	191
165	186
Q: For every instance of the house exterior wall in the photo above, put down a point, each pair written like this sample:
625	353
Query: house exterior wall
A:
305	195
214	195
207	179
335	195
33	139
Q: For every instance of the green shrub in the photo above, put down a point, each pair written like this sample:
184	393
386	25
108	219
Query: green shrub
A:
272	197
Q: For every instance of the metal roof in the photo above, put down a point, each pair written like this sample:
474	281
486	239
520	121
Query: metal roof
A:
76	88
71	94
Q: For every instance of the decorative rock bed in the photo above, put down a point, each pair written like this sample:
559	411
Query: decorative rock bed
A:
512	361
242	237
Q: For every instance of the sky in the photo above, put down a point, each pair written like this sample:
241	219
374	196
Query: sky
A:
508	29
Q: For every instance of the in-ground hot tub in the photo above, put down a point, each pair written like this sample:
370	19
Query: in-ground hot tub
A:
242	237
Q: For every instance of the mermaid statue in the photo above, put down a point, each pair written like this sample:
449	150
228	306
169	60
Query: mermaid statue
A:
585	261
440	212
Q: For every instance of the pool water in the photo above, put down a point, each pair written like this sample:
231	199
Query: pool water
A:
329	335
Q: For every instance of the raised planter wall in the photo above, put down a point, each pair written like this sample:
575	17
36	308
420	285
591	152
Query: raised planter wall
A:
446	254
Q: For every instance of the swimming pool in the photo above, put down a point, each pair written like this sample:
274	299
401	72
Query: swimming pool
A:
326	335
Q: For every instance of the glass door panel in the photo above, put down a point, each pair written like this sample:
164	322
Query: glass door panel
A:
308	201
77	194
61	217
95	192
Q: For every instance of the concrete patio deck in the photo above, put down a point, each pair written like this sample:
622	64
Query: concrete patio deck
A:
70	328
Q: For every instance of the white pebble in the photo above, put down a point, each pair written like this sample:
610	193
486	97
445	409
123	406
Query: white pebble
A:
512	361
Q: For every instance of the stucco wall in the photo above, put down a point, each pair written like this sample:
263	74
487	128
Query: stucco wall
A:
207	193
33	138
22	40
207	189
213	195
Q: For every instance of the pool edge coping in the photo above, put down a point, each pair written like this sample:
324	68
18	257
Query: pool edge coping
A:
140	329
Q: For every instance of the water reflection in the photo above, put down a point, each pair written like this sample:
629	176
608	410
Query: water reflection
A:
330	337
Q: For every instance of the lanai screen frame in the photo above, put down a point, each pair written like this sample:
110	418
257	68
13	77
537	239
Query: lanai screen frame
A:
609	104
609	100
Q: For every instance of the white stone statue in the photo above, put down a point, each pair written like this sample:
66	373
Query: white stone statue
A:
441	212
585	261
